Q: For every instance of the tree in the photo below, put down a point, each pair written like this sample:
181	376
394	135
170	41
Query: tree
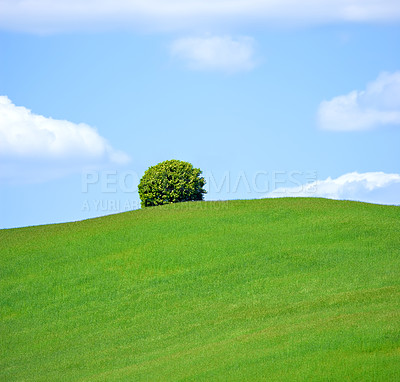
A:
171	181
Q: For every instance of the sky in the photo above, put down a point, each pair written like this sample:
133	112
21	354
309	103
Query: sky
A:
267	98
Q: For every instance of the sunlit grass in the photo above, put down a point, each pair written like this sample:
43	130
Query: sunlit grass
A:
283	289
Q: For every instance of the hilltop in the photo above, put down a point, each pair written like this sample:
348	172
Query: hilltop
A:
274	289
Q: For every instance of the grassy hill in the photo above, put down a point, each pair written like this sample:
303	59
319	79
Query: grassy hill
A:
276	289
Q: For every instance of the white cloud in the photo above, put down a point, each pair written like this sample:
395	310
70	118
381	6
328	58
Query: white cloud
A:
220	53
46	16
28	139
377	105
371	187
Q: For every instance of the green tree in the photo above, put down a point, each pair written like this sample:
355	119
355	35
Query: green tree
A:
171	181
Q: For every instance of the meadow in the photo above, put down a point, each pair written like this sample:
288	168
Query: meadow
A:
291	289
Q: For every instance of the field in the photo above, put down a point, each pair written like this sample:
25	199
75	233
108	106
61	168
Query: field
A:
274	289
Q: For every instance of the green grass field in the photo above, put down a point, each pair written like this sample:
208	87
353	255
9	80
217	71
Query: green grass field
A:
274	289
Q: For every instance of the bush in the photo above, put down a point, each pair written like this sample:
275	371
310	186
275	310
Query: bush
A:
171	181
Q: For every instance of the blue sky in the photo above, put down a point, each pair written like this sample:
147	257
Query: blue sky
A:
268	100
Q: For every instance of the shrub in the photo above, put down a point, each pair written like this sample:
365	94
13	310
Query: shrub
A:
171	181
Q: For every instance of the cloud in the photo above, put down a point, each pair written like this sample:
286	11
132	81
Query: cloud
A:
215	53
371	187
377	105
48	16
29	140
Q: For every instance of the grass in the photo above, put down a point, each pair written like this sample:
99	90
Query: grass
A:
275	289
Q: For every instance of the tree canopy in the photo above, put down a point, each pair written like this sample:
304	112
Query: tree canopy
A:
171	181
